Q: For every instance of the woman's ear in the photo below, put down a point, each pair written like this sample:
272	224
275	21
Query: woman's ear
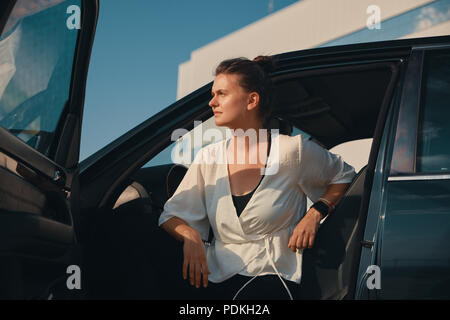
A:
253	100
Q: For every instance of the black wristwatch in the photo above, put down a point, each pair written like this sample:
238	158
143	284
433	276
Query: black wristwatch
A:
322	207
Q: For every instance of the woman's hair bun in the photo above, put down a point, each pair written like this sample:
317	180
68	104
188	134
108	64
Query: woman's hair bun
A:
267	63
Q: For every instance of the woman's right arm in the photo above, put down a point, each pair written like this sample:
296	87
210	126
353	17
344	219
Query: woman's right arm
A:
193	250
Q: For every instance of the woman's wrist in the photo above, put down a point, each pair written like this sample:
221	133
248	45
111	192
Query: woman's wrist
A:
188	233
179	229
322	208
328	202
316	214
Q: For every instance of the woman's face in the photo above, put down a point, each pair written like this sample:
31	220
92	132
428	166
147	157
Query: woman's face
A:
231	103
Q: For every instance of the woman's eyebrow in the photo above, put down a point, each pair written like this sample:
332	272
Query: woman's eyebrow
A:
218	90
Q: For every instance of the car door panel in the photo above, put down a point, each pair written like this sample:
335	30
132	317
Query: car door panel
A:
32	208
415	257
32	158
39	146
413	228
36	231
18	195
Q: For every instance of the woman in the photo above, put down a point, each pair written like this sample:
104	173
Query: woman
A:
258	221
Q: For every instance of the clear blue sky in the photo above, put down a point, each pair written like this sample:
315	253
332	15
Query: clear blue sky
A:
138	47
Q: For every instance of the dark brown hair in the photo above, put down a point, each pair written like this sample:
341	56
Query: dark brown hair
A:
253	77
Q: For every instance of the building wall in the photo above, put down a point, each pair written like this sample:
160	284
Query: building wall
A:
316	23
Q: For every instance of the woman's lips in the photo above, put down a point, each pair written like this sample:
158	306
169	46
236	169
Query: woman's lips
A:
217	113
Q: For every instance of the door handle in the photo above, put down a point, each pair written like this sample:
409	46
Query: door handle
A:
367	244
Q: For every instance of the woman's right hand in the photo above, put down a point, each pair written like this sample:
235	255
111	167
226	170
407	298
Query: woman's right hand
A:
195	259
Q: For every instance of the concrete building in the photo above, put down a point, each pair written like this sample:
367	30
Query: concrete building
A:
317	23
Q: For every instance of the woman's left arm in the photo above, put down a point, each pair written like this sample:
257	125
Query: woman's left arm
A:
305	232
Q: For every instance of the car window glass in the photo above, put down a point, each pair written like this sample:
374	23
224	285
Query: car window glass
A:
433	145
36	58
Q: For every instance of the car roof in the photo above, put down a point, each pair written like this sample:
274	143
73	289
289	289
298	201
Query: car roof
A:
368	46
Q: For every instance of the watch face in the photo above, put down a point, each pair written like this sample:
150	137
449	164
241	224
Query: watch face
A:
321	207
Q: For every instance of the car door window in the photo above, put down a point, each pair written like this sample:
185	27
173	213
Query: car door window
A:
37	49
433	147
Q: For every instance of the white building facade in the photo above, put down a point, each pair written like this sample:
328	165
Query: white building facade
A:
317	23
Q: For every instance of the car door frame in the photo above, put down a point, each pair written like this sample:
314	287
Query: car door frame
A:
35	236
369	243
396	162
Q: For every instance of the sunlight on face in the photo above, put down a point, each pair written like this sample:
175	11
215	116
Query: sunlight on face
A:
229	101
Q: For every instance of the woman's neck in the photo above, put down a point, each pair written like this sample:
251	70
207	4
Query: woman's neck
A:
249	146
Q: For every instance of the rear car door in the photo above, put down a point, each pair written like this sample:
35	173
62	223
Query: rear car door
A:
44	57
414	255
413	229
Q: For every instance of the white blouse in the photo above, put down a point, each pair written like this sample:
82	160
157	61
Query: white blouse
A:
256	242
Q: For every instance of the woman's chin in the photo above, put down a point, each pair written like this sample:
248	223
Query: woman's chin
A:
219	123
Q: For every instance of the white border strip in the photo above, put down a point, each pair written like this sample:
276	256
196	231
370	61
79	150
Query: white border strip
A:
421	177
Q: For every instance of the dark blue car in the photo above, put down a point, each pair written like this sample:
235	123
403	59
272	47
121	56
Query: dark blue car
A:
387	239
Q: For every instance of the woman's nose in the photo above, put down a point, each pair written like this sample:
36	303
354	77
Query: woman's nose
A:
212	103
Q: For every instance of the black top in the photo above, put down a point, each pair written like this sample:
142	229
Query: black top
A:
241	201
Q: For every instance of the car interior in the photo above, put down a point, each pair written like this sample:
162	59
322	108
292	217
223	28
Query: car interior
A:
334	106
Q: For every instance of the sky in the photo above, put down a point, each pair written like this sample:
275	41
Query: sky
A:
138	47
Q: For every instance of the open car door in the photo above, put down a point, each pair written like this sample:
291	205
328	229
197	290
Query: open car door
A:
44	57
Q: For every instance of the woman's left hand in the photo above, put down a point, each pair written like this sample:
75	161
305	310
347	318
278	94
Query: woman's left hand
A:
305	231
